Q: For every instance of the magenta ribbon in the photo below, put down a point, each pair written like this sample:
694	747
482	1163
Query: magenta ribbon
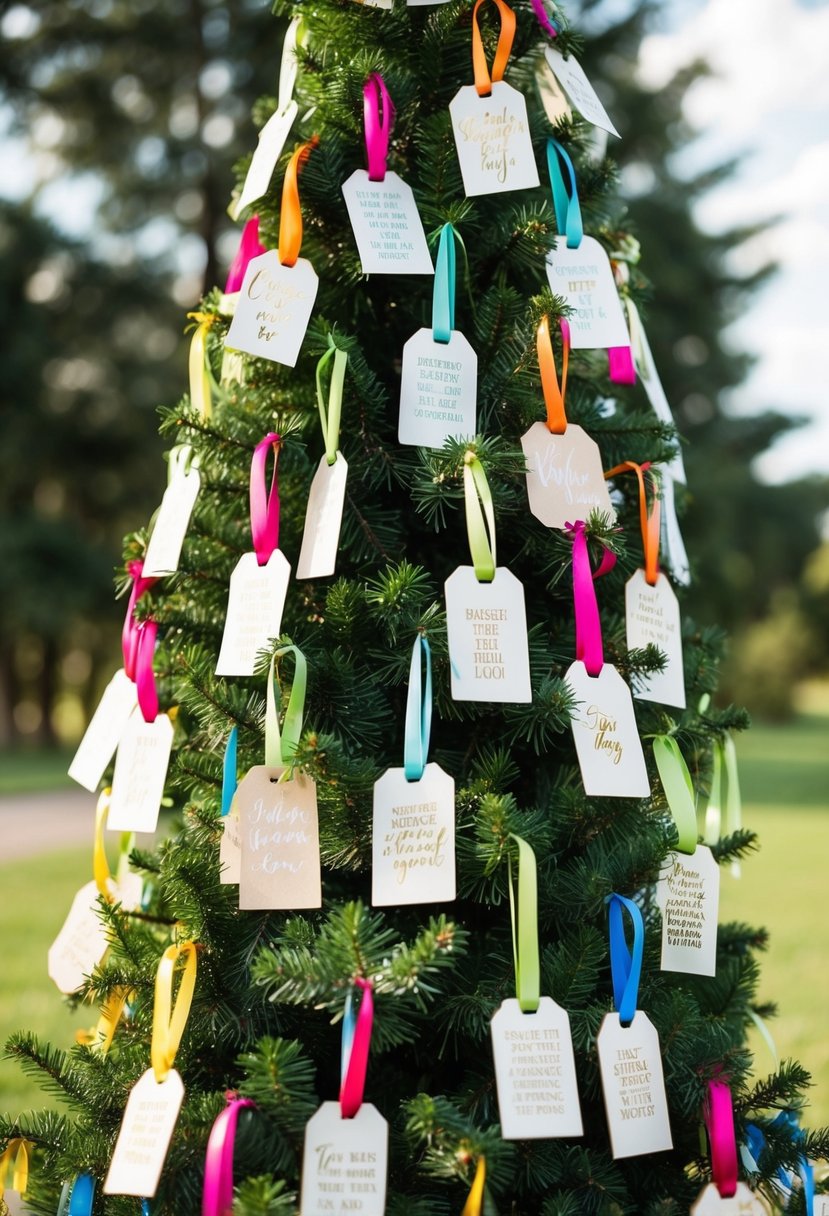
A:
129	633
144	675
264	503
378	114
588	623
543	20
719	1120
354	1078
620	365
249	247
217	1195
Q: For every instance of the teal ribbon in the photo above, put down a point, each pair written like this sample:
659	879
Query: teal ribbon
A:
418	712
443	294
229	771
625	961
565	194
83	1195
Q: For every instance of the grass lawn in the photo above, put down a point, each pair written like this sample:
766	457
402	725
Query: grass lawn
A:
33	770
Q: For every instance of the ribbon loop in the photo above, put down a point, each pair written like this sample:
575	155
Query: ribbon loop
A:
480	518
107	886
443	291
146	634
718	1113
378	115
281	745
229	771
625	962
524	919
198	372
565	194
129	633
15	1161
249	247
330	417
679	790
474	1205
170	1019
418	711
483	80
290	216
264	503
546	22
589	646
356	1043
648	520
217	1193
554	394
83	1196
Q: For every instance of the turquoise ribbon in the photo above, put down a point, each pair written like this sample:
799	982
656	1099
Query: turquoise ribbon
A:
625	963
418	712
565	194
229	771
83	1195
443	294
347	1038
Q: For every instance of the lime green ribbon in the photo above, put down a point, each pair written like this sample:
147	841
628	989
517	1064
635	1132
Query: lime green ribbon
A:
679	790
281	745
524	918
733	797
480	518
180	460
713	811
330	417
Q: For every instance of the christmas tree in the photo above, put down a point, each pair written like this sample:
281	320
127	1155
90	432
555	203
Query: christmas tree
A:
412	478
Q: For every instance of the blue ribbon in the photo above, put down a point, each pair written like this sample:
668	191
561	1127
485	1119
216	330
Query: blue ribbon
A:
146	1209
625	964
756	1142
418	712
347	1039
229	772
83	1195
443	294
565	194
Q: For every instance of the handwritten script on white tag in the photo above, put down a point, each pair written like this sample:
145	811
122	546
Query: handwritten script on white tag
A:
254	611
100	740
438	390
140	773
607	740
573	79
584	279
323	519
652	617
413	838
279	828
171	524
146	1131
81	944
633	1086
492	136
486	624
535	1072
688	894
345	1162
387	226
742	1203
274	309
565	480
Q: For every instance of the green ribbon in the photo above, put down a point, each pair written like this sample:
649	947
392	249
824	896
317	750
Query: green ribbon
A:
280	746
330	417
713	812
524	918
480	518
679	790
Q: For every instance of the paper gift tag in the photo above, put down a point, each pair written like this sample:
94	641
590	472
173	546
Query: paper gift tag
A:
486	624
108	723
323	518
280	863
492	137
564	475
688	894
649	378
607	740
535	1072
81	944
413	838
820	1207
230	847
583	278
171	523
742	1203
633	1086
571	76
673	546
146	1131
652	616
345	1162
254	611
438	390
387	226
274	308
267	152
140	773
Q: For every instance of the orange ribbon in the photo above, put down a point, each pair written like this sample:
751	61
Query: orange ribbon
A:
290	219
483	81
649	521
553	394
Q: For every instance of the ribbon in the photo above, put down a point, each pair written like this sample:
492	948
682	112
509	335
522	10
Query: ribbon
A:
679	790
418	712
280	746
443	290
480	518
378	115
483	80
723	774
264	503
648	522
170	1019
788	1119
353	1080
197	365
474	1205
249	247
553	394
290	217
625	963
565	194
546	22
100	866
101	1036
588	622
733	798
524	920
129	632
15	1161
82	1197
229	771
621	368
146	634
217	1193
718	1113
330	417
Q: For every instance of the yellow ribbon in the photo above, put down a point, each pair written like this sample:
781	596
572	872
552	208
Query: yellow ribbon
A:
200	396
15	1160
100	1037
170	1019
474	1205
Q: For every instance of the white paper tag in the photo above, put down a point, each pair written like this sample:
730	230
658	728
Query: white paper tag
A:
633	1086
140	773
565	480
171	523
652	385
230	847
387	226
486	624
571	76
820	1207
279	828
438	390
652	616
492	136
146	1131
606	736
413	838
688	895
742	1203
583	278
323	518
108	724
673	546
550	93
345	1162
81	944
254	611
274	308
267	152
535	1072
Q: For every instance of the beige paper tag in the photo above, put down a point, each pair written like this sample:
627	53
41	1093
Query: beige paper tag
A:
101	737
607	740
345	1162
585	281
280	864
267	152
140	773
438	390
146	1131
230	847
652	617
743	1203
81	944
565	480
633	1086
323	519
535	1072
486	625
255	602
171	524
413	838
274	308
492	136
573	79
688	895
386	225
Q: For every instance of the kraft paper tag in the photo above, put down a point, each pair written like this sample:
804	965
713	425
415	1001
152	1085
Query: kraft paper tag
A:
101	737
279	828
573	79
607	740
230	847
565	479
492	136
146	1131
81	944
486	624
742	1203
387	226
652	617
273	309
140	773
267	152
688	895
323	519
583	278
254	611
438	390
345	1162
413	838
633	1086
535	1072
171	524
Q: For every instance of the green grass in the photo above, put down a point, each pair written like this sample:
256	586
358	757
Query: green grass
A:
35	770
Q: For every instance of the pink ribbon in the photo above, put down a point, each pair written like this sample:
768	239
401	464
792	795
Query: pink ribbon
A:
129	633
377	119
354	1081
264	504
249	247
217	1194
620	365
146	634
719	1120
588	623
543	20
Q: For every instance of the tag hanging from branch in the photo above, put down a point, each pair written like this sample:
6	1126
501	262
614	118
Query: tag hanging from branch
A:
326	499
650	381
573	79
173	516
